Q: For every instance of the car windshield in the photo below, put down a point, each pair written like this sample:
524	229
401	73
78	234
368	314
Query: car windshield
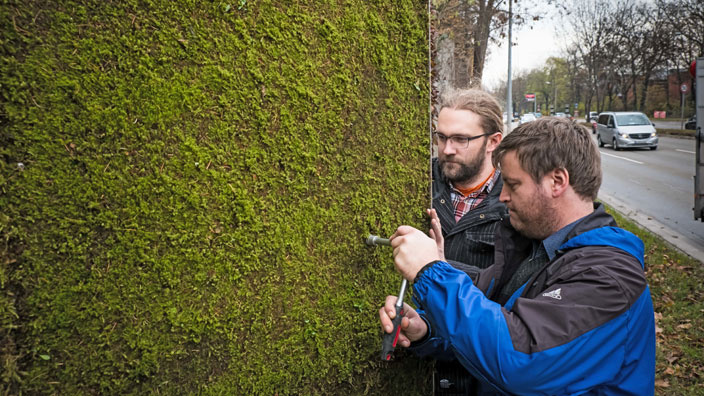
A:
632	119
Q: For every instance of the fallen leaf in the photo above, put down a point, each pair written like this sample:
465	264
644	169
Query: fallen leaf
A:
662	384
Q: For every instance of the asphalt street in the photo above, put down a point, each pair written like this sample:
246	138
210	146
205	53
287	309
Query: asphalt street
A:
656	189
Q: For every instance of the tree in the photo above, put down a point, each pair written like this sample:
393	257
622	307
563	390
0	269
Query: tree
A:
590	26
464	29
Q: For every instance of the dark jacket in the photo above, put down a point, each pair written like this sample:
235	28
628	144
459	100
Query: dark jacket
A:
583	324
469	242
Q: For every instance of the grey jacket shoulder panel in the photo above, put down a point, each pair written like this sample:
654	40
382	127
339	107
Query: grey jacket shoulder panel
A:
564	307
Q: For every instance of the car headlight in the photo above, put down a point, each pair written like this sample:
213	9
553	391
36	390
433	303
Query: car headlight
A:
624	135
653	134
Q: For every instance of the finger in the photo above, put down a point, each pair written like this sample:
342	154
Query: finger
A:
433	213
386	324
390	306
435	227
404	230
405	322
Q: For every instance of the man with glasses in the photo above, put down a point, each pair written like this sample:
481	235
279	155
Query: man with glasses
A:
466	189
466	185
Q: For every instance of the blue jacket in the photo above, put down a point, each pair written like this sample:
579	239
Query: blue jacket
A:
583	324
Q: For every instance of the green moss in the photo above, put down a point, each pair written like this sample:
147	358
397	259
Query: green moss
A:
197	181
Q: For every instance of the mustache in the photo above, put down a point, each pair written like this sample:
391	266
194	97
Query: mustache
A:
449	160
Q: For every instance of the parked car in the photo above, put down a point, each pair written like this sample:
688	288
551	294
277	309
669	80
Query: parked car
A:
561	115
625	130
593	115
691	123
528	117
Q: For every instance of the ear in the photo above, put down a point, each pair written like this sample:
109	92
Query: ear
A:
494	141
558	182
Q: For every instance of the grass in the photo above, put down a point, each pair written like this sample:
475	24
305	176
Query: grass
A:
678	296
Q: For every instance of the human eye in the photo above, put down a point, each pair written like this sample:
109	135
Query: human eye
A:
460	139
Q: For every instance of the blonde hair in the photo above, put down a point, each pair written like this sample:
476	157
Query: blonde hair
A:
479	102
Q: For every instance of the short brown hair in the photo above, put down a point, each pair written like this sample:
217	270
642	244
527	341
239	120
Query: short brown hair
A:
479	102
551	143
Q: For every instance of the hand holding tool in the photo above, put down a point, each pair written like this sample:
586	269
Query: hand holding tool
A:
390	339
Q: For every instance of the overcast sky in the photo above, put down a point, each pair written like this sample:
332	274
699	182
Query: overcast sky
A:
533	47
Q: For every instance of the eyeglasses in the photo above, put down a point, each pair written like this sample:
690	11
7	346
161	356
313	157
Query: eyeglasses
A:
461	142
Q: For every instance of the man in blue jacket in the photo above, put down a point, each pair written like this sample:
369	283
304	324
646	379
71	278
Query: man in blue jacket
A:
565	309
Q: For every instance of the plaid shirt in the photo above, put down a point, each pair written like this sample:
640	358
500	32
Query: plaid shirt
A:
464	204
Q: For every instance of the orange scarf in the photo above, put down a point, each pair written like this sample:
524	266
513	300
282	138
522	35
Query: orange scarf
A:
466	191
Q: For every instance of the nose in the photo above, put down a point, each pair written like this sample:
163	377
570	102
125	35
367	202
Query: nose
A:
449	149
504	196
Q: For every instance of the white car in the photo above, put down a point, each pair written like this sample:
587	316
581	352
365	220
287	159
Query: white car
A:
528	117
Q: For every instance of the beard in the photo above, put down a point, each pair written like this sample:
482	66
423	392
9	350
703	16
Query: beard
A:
457	171
537	220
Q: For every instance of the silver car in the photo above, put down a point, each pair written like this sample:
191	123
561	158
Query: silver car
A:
625	130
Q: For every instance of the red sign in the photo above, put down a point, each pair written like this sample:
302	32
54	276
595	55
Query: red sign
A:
693	69
530	97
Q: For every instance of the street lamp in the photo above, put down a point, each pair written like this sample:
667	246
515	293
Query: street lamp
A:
547	99
554	96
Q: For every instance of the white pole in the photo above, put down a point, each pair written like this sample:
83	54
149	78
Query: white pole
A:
509	98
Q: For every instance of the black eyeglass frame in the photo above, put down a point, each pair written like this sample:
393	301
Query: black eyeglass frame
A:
464	140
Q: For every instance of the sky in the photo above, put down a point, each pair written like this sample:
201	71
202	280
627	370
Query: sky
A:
533	47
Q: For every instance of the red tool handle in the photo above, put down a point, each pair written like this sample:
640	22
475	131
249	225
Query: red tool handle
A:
391	339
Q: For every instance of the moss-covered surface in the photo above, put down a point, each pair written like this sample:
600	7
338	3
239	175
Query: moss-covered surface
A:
185	186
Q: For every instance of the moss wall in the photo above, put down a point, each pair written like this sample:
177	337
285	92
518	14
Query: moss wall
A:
184	189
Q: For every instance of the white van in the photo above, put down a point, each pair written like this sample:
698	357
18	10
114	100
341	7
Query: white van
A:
625	130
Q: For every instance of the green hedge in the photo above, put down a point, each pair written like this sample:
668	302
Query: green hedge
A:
185	187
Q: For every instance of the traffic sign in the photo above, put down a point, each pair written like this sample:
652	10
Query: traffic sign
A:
530	97
683	88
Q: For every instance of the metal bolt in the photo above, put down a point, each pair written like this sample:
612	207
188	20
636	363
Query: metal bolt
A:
445	384
375	240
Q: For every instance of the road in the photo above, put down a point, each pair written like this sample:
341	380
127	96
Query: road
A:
656	189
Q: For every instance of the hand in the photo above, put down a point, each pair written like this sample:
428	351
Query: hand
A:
413	328
412	251
436	232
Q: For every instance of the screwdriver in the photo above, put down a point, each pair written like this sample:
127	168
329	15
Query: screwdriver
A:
390	339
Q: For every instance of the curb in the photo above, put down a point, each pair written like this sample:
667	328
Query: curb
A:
674	238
